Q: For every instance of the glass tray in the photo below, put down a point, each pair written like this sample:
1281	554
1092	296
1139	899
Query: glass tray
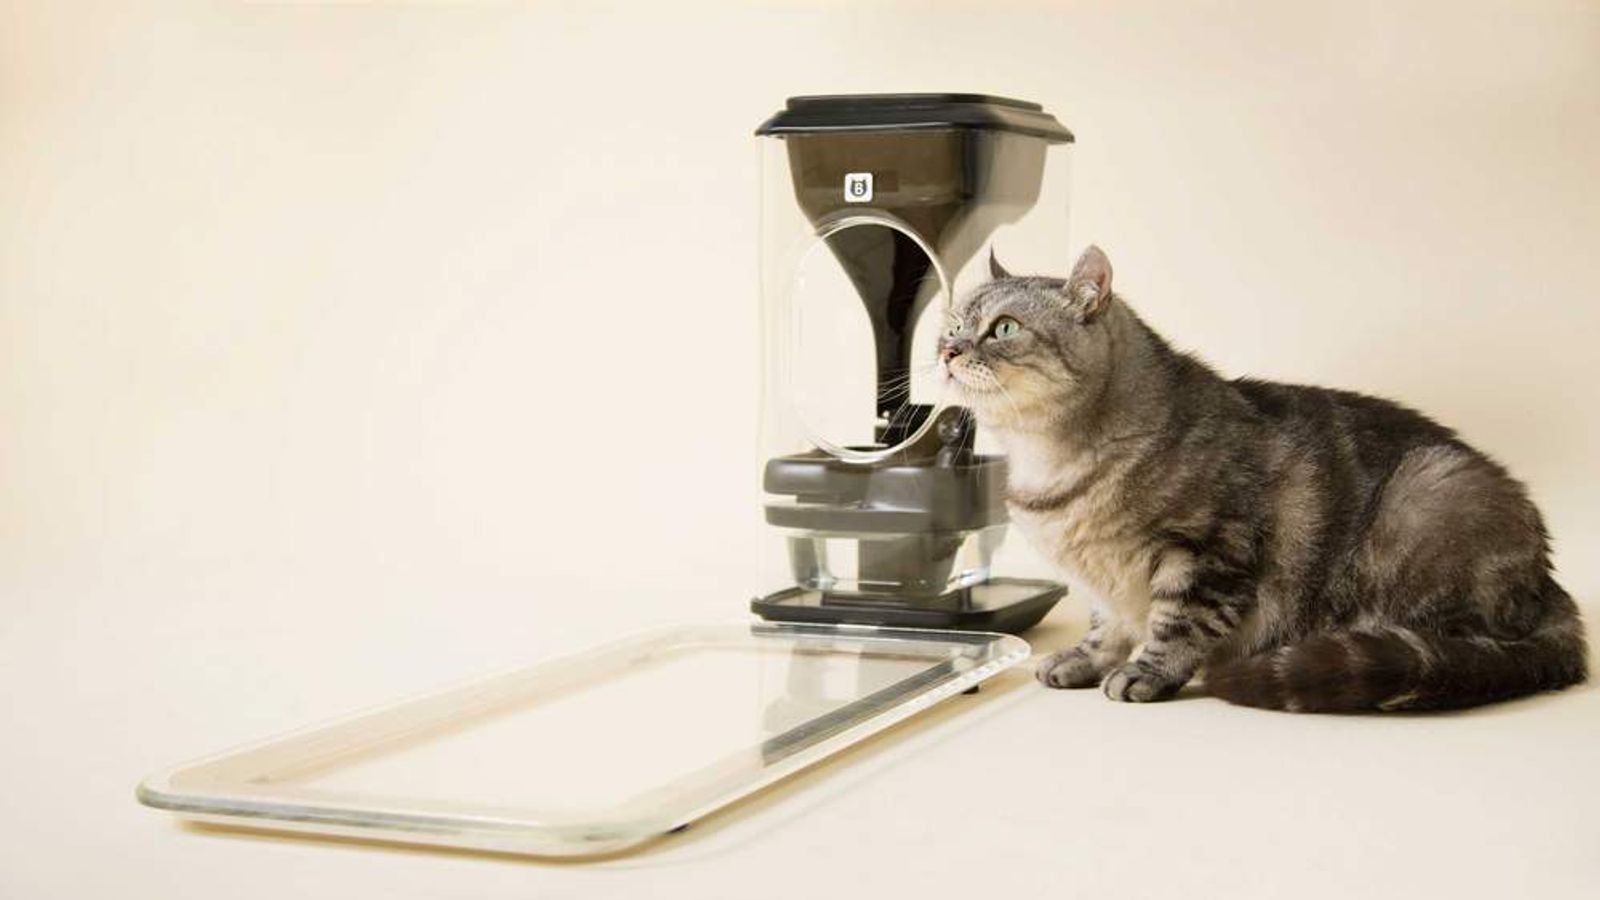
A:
595	752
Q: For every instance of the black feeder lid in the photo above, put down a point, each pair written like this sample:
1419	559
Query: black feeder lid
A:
904	112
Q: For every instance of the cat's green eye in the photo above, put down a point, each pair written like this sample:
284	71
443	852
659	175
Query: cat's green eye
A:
1005	327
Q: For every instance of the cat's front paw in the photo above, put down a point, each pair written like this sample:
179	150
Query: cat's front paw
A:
1071	668
1135	683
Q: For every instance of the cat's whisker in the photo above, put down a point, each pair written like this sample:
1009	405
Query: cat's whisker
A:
1016	412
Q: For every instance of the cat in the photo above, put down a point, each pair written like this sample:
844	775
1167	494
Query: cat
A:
1299	548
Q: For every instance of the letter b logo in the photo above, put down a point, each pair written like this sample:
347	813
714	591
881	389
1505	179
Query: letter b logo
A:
858	187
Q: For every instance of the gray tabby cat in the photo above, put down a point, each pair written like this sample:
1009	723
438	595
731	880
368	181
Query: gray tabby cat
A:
1310	549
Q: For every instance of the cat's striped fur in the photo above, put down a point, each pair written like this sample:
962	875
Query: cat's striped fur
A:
1307	549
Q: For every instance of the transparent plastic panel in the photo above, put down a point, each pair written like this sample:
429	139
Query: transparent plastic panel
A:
595	752
844	561
1035	242
846	377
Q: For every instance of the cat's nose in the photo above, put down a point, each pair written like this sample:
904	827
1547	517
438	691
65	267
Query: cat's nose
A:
948	352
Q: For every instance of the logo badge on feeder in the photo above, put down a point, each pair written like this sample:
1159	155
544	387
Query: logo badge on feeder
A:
858	187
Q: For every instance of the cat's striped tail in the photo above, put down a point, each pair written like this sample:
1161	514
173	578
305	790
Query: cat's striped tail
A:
1397	668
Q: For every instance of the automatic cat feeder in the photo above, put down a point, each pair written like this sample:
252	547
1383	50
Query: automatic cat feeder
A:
888	514
879	595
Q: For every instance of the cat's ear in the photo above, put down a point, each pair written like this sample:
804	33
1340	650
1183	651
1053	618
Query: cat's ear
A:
1089	286
995	269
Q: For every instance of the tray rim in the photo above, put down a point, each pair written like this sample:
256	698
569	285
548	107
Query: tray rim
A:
531	832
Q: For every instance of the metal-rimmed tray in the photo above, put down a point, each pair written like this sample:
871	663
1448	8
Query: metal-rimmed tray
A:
594	752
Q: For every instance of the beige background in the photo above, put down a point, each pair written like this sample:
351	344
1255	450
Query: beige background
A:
348	351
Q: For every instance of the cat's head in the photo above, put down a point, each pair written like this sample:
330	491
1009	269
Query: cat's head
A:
1023	352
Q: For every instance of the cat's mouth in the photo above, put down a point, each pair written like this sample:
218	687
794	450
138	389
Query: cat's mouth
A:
967	380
